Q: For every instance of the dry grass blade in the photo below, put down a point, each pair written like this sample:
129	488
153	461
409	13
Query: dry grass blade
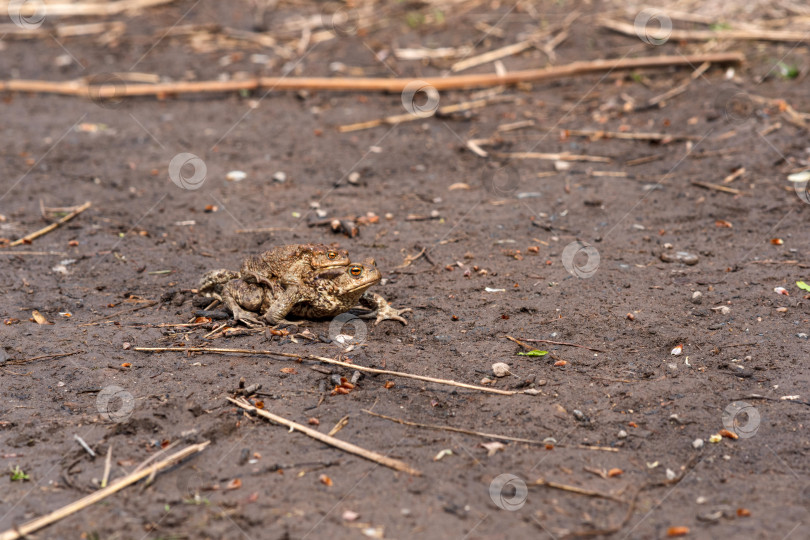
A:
750	34
574	489
633	136
72	9
486	435
395	464
329	361
26	529
564	156
716	187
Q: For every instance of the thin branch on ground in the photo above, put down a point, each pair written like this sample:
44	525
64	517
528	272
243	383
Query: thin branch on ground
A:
45	230
34	525
395	464
365	84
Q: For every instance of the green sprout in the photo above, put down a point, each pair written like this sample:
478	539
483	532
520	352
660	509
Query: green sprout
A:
18	475
787	71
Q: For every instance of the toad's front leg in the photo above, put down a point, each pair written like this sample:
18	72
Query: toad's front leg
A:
382	309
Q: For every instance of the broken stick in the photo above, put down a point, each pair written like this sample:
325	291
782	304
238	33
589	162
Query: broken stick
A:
34	525
365	84
45	230
395	464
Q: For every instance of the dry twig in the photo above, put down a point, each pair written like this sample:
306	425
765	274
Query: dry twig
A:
716	187
27	360
395	464
554	343
34	525
364	84
45	230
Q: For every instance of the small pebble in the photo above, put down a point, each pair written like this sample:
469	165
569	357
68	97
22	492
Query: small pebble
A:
803	176
697	297
500	369
622	434
280	177
236	176
354	178
259	58
680	256
579	415
562	165
64	60
697	444
670	474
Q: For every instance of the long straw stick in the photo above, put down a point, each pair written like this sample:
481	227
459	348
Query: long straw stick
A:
330	361
40	522
367	84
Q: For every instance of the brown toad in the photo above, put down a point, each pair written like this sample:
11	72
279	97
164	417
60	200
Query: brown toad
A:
287	266
291	263
324	293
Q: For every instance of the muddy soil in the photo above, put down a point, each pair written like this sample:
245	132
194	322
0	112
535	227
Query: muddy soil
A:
625	417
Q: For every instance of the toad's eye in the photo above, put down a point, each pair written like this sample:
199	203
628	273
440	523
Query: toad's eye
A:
332	255
356	270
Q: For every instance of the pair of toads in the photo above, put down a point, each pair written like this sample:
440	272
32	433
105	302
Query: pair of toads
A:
305	280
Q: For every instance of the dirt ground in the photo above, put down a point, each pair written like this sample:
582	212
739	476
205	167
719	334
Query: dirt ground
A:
621	422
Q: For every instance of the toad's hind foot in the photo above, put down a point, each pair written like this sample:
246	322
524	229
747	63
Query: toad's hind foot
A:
248	318
382	310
